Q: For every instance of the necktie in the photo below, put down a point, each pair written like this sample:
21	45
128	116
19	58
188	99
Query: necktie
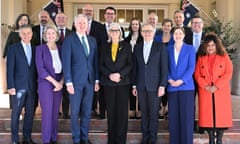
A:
89	28
84	45
28	53
197	42
61	35
42	33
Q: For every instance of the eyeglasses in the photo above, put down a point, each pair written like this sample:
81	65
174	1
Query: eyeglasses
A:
196	22
88	10
110	13
114	30
147	31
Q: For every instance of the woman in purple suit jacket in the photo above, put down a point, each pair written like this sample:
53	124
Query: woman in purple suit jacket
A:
50	83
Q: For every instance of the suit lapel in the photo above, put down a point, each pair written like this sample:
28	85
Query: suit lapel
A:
78	43
22	52
151	52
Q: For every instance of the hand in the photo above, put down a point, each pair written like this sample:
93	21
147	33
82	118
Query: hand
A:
12	91
161	91
213	88
178	82
58	86
96	87
115	77
70	89
208	88
134	92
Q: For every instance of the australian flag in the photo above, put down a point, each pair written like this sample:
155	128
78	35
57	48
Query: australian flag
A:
189	10
54	7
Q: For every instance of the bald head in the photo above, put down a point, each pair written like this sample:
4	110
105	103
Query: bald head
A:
88	11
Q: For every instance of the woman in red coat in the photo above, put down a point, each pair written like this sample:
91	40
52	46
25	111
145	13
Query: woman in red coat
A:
213	74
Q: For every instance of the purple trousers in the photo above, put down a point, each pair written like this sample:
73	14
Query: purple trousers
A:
50	103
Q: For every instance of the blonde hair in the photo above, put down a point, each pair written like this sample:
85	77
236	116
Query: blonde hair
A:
50	27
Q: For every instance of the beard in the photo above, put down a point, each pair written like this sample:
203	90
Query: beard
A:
44	22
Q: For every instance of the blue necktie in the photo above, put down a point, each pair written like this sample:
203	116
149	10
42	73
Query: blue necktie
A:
28	53
84	45
197	42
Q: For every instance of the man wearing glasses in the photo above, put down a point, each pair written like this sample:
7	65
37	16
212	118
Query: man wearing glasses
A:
150	69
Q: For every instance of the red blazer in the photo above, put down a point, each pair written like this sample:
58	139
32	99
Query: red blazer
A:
222	74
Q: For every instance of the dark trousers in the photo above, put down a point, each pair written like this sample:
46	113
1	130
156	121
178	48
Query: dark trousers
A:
23	98
181	116
65	102
149	103
81	105
102	102
133	101
117	113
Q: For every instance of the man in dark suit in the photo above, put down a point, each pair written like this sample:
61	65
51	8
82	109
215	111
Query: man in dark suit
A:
80	69
61	22
96	30
110	16
38	30
197	34
179	19
21	83
150	70
196	39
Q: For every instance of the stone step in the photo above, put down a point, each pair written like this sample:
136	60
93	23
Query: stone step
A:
99	126
132	138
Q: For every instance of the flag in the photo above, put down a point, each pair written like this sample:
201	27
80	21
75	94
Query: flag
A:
189	10
54	7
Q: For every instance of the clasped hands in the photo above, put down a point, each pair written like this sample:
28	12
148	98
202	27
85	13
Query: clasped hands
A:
175	83
211	88
115	77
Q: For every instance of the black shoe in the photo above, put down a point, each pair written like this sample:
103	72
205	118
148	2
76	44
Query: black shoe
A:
85	142
66	117
53	142
29	142
101	117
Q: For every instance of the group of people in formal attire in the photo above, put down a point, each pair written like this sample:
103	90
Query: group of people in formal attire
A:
159	71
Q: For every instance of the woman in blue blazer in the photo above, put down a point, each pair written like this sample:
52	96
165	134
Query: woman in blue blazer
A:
50	83
181	89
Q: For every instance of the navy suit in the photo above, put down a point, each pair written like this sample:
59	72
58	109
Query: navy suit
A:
148	78
65	97
81	71
22	77
181	98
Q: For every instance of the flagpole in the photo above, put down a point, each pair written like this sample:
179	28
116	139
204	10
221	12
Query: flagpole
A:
200	9
36	12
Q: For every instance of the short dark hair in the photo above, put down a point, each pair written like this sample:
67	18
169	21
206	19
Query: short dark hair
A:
110	8
196	16
176	28
167	20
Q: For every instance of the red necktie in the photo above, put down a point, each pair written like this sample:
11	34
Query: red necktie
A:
61	35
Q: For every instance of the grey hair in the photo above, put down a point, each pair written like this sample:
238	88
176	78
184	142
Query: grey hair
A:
80	16
119	27
147	24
